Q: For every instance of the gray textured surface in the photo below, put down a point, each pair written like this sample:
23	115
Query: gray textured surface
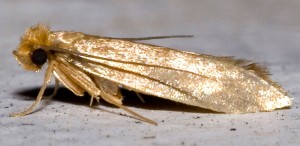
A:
267	31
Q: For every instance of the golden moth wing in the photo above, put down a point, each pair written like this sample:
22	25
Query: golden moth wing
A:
243	85
181	86
130	81
127	51
133	52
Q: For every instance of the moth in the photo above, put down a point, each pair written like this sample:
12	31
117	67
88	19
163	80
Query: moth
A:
101	65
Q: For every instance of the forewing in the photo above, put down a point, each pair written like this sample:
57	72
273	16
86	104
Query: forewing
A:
171	84
217	83
224	68
132	52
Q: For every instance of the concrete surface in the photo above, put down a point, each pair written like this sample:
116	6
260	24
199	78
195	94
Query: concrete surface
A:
266	31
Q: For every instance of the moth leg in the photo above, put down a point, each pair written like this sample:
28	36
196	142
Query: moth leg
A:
80	79
110	99
110	88
92	99
40	95
85	82
110	92
55	89
67	81
107	97
140	97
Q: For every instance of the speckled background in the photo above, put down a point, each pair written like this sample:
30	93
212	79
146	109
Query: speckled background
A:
266	31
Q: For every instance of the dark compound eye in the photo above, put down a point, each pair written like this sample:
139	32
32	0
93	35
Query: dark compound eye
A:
39	56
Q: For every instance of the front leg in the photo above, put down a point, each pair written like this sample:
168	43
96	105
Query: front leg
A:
41	92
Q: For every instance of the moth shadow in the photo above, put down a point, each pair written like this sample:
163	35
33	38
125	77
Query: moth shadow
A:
130	99
155	103
63	95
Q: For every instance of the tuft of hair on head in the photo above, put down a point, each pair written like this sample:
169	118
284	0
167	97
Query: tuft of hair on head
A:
35	37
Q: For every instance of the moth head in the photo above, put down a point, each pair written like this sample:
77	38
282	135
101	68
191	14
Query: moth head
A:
31	52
